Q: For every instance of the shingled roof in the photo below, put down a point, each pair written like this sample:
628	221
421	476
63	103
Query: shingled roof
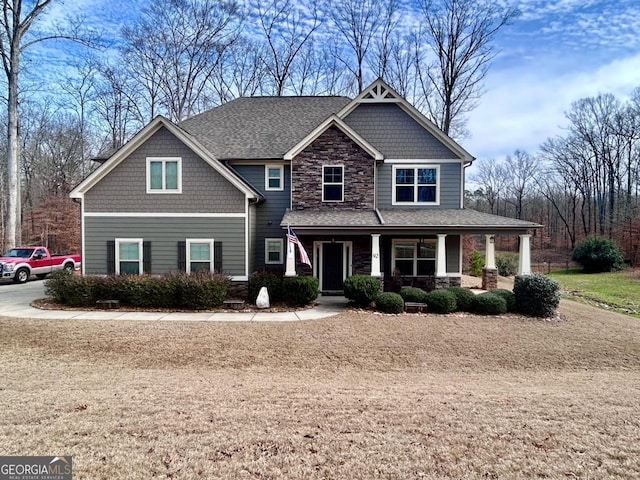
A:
260	127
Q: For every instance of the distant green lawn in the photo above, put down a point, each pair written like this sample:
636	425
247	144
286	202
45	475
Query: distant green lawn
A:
618	290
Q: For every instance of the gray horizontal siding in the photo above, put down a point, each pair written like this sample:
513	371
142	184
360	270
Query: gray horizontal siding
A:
269	213
450	182
394	133
124	189
164	235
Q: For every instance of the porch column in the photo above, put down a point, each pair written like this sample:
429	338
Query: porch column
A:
375	255
490	252
441	261
524	260
290	270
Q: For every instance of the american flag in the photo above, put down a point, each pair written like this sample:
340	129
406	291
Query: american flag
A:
304	258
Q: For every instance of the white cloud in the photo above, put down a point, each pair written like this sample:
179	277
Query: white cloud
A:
524	106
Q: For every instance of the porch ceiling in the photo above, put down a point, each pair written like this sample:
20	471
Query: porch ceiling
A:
441	220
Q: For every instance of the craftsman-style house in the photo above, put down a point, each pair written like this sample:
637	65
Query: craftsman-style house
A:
369	185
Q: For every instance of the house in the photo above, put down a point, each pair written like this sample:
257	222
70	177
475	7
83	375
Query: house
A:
369	185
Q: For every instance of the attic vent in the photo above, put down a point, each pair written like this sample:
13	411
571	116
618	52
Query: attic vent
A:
380	92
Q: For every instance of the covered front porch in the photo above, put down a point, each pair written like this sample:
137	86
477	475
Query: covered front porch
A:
341	244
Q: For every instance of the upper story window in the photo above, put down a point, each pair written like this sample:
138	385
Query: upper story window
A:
332	183
199	255
164	175
274	177
416	185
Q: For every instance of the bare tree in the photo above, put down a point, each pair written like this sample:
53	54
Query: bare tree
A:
492	178
176	46
460	34
287	28
521	170
16	36
361	24
240	72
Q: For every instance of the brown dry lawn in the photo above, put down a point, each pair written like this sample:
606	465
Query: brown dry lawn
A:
355	396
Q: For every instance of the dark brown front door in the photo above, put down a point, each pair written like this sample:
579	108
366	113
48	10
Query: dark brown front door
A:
332	266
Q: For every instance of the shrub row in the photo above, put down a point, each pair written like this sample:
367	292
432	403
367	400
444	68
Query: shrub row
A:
296	291
534	295
177	290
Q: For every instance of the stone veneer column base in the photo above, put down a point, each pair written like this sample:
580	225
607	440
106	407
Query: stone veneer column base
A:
489	278
455	281
441	282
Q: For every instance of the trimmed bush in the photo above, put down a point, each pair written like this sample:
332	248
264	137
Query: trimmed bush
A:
489	303
300	291
362	289
507	263
200	291
464	298
271	280
413	294
476	262
508	296
536	295
441	301
390	302
598	254
70	289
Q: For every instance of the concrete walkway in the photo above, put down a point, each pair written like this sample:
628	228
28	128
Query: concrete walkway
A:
15	302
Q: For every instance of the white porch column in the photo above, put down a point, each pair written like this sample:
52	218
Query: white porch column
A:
375	255
441	261
524	260
290	270
490	252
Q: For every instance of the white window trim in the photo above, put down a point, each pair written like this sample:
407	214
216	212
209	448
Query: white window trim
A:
140	253
189	241
415	242
266	178
164	161
333	183
266	251
414	166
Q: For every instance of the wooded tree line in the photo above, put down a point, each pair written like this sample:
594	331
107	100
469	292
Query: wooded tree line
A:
582	182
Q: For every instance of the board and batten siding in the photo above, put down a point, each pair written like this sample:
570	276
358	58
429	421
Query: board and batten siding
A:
164	233
124	189
269	213
450	185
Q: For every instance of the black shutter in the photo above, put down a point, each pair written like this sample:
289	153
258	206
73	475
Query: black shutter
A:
146	257
182	256
111	257
217	256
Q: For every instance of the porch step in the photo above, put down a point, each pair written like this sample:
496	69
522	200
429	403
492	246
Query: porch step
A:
234	304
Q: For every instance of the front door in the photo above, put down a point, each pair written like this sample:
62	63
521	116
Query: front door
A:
332	266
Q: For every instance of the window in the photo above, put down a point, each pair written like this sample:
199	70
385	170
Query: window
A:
332	183
273	248
415	185
199	255
128	256
274	178
414	257
164	175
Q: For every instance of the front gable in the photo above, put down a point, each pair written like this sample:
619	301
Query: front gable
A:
122	184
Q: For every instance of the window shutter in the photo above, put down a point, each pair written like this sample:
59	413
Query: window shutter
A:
182	256
146	257
217	257
111	257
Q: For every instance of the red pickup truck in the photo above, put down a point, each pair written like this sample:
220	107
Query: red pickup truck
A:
18	264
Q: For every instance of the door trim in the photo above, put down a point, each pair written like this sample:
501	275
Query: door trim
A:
347	256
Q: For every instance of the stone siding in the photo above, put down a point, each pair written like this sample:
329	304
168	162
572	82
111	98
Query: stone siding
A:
333	147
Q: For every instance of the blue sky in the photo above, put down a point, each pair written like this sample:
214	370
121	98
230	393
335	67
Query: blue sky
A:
555	53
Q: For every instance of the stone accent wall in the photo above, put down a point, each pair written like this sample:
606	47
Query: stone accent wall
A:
238	290
489	278
441	282
361	256
333	147
455	281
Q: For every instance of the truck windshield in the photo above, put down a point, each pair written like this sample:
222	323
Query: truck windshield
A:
19	252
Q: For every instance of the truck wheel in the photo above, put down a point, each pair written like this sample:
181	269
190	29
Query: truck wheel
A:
22	275
68	267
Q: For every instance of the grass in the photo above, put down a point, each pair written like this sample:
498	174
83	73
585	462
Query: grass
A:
619	291
356	396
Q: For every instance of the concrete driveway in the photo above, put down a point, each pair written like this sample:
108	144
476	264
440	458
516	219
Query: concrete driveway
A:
15	298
